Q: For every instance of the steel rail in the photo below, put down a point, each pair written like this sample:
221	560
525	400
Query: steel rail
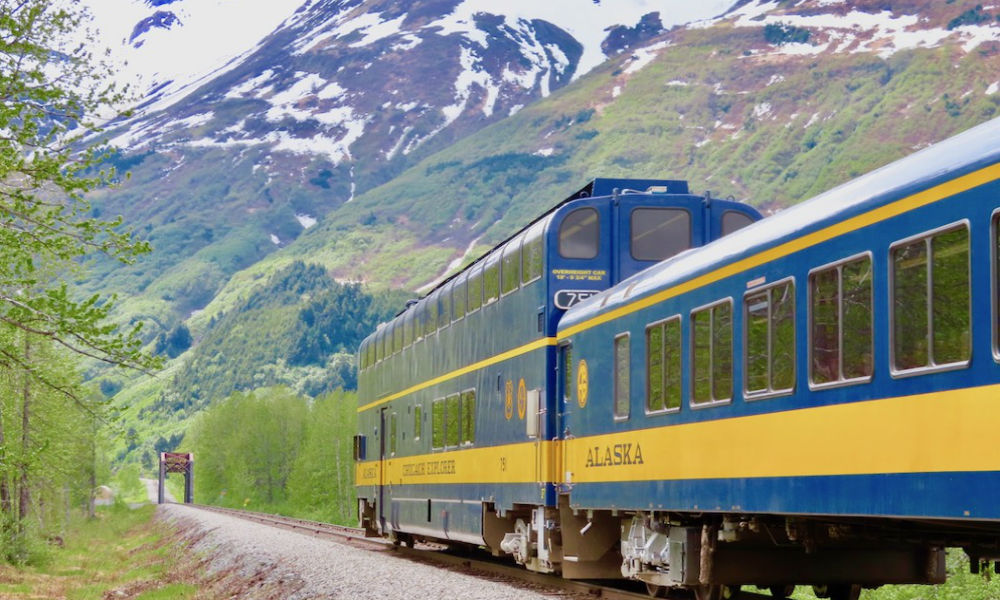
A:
438	554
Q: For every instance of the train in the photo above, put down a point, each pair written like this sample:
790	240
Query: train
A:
658	386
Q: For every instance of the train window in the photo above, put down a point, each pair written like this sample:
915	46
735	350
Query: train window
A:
510	270
491	281
733	221
468	416
931	323
622	376
444	307
532	256
996	285
392	434
417	424
663	365
419	321
659	233
379	347
769	357
397	336
452	424
437	423
580	234
475	290
458	299
408	328
712	353
430	325
840	321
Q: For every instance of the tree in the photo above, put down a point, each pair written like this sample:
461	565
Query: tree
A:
52	95
52	91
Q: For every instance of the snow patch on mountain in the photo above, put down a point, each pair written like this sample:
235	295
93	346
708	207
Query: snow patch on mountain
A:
882	33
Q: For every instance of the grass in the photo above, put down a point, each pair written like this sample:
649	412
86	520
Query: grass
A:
122	554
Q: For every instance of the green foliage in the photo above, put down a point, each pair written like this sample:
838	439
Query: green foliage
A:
51	88
973	16
783	33
274	450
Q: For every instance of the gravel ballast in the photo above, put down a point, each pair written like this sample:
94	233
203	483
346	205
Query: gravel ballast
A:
277	563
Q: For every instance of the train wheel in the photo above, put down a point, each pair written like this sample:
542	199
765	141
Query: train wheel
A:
657	591
782	591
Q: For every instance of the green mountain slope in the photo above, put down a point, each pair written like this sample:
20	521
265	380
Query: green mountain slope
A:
742	106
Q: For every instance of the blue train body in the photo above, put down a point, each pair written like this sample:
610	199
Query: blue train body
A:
808	399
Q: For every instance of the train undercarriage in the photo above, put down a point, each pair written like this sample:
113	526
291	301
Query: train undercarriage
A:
709	556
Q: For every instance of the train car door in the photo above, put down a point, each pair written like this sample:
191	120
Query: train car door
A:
653	227
382	450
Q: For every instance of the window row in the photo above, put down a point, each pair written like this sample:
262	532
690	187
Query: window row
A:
453	422
518	263
931	328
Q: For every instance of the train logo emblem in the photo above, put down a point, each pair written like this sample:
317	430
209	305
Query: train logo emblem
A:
508	406
522	399
582	383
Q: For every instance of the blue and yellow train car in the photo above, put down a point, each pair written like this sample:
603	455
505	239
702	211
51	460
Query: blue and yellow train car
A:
457	408
814	399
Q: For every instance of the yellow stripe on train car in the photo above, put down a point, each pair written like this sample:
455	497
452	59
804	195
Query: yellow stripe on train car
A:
486	362
527	462
937	432
934	432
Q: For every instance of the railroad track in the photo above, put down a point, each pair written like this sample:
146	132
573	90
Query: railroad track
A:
485	565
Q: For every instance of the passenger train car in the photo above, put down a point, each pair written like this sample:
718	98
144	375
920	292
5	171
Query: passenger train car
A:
811	399
447	386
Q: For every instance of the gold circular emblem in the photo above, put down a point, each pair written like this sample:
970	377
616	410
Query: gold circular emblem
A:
582	383
522	399
508	407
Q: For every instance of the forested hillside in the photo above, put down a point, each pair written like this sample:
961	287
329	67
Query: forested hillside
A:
300	330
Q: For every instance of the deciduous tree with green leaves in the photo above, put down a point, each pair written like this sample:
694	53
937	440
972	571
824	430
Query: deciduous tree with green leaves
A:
53	94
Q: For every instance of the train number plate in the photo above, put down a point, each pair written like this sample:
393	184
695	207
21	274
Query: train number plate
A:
567	298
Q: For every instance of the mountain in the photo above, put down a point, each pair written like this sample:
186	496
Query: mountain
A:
771	102
234	155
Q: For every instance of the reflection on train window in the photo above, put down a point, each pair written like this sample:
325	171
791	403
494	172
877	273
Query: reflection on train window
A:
579	234
420	321
408	328
931	323
444	307
769	315
476	289
622	376
451	420
392	434
430	325
663	365
733	221
458	300
712	353
840	316
417	424
468	417
532	255
491	282
437	423
659	233
510	272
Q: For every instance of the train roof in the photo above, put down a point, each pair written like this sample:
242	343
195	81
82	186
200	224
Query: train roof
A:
964	153
597	187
